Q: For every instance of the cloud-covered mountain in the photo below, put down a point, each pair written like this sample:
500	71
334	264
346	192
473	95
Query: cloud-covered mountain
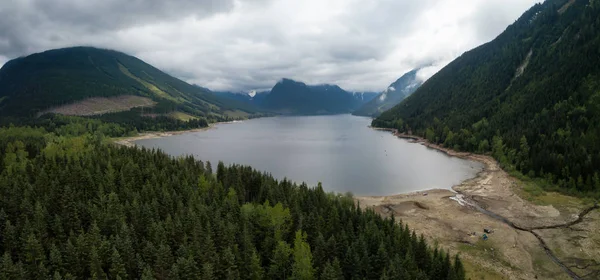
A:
297	98
392	96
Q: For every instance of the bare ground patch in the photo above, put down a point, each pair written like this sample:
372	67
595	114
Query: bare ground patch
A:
101	105
509	253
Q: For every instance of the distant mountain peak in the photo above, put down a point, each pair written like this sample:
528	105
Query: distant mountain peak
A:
294	97
392	95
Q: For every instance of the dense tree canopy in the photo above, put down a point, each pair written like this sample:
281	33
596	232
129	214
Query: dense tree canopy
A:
531	97
73	207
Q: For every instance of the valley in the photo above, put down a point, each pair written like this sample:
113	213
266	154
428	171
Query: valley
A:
525	221
274	140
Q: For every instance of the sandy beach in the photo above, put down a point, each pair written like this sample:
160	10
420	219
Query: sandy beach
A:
130	141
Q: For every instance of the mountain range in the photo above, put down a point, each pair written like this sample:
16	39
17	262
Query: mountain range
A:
88	81
297	98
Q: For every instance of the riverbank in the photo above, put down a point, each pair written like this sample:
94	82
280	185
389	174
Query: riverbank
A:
130	141
521	246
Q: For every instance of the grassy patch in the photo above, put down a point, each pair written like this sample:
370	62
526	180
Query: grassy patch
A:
2	98
182	116
485	250
236	114
154	89
534	190
480	245
477	272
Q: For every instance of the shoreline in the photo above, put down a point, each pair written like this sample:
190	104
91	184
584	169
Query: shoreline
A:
129	141
522	245
453	218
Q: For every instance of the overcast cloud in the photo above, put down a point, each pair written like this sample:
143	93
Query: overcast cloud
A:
250	44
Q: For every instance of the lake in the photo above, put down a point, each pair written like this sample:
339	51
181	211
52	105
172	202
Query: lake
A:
340	151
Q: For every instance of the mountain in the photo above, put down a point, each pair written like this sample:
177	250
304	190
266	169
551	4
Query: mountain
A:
531	97
292	97
253	97
47	81
394	94
365	96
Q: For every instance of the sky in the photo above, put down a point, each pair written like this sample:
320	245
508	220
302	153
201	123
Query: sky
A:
243	45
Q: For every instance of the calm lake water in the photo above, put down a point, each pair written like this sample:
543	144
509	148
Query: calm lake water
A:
340	151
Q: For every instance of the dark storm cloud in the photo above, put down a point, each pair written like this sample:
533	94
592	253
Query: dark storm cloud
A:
251	44
25	24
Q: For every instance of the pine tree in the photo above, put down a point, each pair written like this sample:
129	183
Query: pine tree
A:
55	261
228	267
188	268
207	271
280	263
459	269
379	260
35	258
332	271
7	269
164	261
95	265
117	268
147	274
57	276
302	268
256	270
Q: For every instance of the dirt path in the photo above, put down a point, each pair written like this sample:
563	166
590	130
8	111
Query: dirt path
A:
555	238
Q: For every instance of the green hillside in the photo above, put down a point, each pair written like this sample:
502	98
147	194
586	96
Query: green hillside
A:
32	84
531	97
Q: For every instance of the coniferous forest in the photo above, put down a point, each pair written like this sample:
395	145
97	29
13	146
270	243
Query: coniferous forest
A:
76	207
530	98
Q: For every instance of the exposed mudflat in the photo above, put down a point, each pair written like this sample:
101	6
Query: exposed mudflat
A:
130	141
512	251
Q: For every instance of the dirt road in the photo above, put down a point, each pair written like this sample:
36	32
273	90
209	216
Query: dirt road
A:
510	252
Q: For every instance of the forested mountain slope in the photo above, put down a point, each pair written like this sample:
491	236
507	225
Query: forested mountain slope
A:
72	207
390	97
29	85
531	97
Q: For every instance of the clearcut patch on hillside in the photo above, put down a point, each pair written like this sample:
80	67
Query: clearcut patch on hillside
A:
154	89
182	116
101	105
566	6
